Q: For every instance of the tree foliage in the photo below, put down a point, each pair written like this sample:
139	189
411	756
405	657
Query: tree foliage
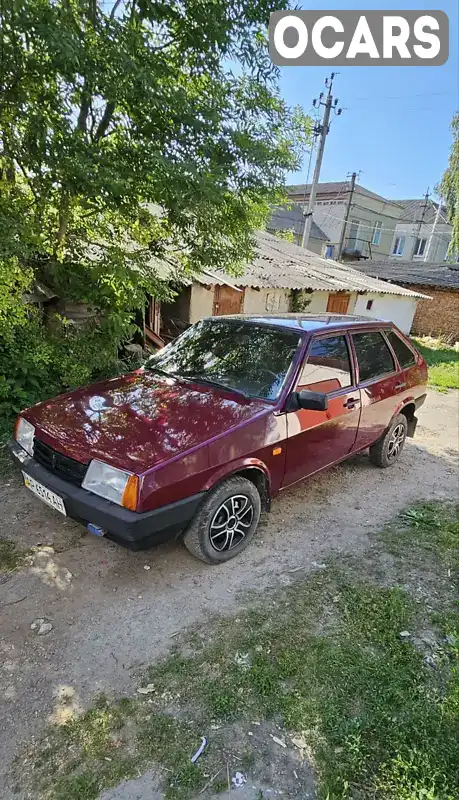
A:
449	186
130	130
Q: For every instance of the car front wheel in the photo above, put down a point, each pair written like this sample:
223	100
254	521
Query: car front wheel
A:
225	523
386	452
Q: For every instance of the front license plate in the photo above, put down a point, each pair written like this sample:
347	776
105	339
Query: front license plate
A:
45	494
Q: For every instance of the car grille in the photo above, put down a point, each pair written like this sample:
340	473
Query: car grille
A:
65	467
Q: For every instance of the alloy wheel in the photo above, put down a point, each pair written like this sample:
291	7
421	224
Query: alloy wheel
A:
231	522
396	442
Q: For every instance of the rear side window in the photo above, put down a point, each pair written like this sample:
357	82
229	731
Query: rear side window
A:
402	351
327	367
373	355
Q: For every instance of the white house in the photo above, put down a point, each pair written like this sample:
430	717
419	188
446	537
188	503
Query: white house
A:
422	233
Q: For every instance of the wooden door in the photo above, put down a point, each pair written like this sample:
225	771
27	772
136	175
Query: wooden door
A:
227	301
338	303
153	315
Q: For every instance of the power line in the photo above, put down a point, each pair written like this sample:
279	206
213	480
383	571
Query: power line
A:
391	230
403	96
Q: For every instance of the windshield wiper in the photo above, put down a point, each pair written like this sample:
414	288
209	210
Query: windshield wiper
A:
160	371
209	382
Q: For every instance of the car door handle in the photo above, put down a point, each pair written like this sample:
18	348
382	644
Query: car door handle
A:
400	385
351	402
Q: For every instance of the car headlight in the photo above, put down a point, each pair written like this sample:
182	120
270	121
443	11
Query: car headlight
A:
24	434
114	484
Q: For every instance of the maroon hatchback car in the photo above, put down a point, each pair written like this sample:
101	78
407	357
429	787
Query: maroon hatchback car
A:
198	441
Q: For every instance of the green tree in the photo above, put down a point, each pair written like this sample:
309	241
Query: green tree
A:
449	186
131	130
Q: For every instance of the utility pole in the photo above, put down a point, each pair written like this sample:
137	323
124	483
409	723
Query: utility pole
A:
321	130
420	221
346	216
432	232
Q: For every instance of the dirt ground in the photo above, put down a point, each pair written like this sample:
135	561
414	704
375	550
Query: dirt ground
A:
110	615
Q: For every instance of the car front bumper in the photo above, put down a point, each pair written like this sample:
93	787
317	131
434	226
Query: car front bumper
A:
136	531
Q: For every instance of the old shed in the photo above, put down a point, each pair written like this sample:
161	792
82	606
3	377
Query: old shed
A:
285	277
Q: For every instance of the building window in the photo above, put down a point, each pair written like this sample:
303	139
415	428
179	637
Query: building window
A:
420	247
399	245
369	305
377	233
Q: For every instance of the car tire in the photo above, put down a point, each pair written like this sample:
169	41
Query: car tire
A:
387	450
225	523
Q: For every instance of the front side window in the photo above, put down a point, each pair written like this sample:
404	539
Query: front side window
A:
377	233
327	366
239	356
404	354
373	355
399	245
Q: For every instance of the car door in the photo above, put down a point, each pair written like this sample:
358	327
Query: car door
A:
380	383
412	375
316	439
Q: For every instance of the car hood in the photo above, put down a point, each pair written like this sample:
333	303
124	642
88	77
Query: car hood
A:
138	420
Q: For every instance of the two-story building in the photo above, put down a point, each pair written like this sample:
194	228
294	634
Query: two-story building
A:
372	219
422	233
377	228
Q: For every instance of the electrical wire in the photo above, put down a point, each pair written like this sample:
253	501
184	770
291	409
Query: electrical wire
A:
388	230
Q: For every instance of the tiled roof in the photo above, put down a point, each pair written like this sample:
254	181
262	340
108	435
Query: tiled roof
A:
335	187
282	265
415	210
293	219
418	273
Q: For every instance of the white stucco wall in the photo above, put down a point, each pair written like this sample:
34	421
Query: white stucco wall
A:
411	231
262	301
256	301
394	308
201	302
319	301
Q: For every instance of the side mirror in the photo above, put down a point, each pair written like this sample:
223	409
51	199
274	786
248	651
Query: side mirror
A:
312	401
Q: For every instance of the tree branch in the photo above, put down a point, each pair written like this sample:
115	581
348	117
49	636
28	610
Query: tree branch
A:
64	217
84	108
114	9
27	178
86	91
105	121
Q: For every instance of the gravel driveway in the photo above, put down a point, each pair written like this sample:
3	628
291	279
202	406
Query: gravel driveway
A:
112	610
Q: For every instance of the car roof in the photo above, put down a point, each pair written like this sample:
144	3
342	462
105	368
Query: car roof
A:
306	322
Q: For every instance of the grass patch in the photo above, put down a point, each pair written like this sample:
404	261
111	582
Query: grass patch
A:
323	660
6	433
427	533
11	556
442	360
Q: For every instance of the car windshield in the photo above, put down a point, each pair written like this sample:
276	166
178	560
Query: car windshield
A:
241	356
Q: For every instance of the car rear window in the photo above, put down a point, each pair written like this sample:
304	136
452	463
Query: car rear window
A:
404	353
373	355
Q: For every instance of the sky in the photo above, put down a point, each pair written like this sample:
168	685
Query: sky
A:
395	125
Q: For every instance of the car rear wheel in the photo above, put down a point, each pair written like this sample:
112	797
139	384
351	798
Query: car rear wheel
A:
225	523
387	451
